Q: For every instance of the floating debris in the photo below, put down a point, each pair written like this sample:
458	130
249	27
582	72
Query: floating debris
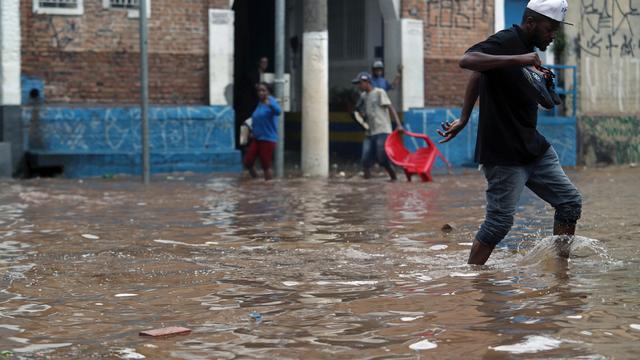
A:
423	345
255	316
532	344
447	228
168	331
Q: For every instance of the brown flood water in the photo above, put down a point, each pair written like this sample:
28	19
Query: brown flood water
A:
337	269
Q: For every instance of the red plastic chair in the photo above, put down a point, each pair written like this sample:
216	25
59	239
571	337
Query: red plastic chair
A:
419	162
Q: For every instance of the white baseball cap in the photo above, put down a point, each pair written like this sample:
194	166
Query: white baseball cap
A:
553	9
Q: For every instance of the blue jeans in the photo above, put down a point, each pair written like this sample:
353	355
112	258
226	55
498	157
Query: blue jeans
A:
373	151
544	177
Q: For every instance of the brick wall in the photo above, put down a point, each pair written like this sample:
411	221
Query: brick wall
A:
94	58
451	27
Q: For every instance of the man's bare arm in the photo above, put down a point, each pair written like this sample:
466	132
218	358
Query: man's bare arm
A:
477	61
395	116
470	96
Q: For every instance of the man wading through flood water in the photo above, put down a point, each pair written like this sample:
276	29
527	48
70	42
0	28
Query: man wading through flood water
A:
512	153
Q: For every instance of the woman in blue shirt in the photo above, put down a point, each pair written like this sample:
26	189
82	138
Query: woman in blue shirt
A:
264	130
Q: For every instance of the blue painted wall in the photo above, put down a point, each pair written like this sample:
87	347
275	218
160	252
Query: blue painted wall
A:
559	131
513	10
93	141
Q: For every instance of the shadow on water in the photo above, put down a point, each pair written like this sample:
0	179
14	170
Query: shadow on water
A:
304	268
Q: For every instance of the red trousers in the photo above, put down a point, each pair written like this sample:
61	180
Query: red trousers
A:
262	149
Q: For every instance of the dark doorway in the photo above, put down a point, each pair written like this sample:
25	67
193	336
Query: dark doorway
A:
254	38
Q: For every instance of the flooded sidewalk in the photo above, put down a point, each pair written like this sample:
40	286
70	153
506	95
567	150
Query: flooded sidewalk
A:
311	269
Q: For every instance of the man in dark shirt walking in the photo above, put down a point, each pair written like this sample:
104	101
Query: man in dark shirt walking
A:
513	154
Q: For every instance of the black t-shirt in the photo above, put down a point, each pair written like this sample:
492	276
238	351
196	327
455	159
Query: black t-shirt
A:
507	132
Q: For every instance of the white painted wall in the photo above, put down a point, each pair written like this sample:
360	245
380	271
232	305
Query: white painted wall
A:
10	52
315	104
498	12
412	57
221	52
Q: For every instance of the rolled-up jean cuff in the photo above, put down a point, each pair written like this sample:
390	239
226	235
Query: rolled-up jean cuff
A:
566	220
569	215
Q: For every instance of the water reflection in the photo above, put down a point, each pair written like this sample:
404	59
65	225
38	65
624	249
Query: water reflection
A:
332	269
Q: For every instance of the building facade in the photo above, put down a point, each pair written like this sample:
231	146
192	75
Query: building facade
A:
69	71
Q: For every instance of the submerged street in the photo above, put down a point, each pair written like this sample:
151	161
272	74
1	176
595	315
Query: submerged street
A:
300	268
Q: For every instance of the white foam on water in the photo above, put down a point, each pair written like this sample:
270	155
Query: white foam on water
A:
460	274
532	344
410	318
90	236
290	283
585	332
423	345
40	347
11	327
635	326
353	283
125	295
574	317
438	247
465	244
357	254
579	246
128	353
173	242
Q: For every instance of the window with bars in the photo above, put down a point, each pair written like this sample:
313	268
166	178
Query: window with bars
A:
58	7
131	5
346	29
125	4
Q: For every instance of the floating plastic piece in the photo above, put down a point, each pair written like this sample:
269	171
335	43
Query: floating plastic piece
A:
255	316
419	162
423	345
168	331
531	344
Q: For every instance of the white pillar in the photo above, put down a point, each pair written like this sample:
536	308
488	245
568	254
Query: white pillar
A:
315	90
315	104
10	92
221	52
498	12
412	57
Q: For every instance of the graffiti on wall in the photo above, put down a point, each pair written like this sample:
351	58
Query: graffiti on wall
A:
458	14
610	28
117	130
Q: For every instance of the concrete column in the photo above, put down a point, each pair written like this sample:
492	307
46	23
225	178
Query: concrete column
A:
11	151
315	90
412	57
221	52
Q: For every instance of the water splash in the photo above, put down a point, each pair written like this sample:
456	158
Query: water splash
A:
577	246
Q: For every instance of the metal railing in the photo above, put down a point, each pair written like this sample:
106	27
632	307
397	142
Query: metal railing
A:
567	89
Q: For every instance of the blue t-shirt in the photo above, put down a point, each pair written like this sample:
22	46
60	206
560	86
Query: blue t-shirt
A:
265	120
381	82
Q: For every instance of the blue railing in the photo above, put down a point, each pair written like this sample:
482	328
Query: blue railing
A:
568	89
